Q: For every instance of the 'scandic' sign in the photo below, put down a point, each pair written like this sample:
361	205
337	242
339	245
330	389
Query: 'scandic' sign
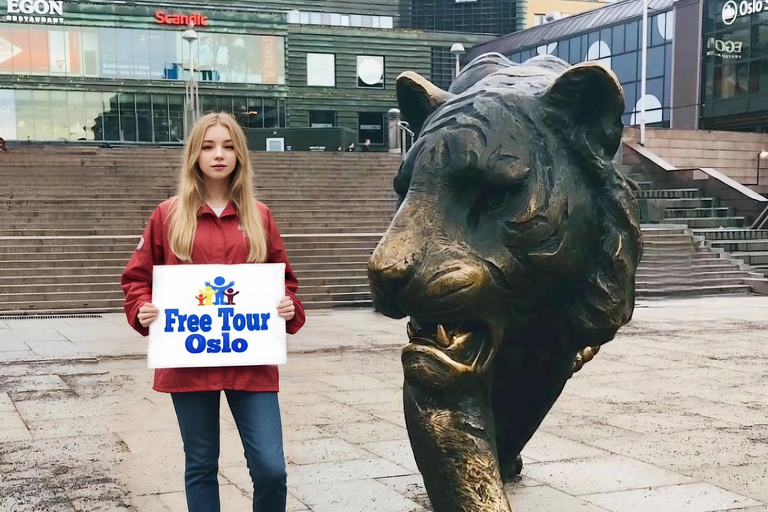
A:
732	9
181	19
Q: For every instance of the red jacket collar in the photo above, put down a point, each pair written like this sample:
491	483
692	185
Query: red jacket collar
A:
228	210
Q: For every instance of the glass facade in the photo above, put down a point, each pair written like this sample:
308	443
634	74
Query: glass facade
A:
55	115
618	47
473	16
735	66
370	125
129	53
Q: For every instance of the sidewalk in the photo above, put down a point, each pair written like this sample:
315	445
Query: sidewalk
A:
669	417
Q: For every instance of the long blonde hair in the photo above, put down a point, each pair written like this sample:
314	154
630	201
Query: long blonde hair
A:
191	195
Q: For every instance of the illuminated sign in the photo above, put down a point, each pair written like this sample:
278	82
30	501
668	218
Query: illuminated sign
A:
724	49
181	19
732	10
35	11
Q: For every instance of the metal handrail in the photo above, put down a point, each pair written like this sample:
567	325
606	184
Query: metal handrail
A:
405	133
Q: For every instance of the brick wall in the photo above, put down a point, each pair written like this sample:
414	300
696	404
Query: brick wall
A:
732	153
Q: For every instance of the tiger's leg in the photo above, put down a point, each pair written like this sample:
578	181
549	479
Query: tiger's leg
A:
522	399
450	424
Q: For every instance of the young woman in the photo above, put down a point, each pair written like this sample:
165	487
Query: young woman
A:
215	219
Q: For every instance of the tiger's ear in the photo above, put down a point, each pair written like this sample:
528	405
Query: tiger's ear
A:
592	98
418	98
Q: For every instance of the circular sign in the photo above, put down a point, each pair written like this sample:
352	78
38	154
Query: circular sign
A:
730	11
370	71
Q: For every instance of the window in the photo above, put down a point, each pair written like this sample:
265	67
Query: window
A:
370	71
322	119
321	70
371	126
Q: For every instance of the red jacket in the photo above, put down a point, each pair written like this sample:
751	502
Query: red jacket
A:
217	241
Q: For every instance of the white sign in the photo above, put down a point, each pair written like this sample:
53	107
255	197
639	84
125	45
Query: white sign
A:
217	315
732	10
35	11
8	50
724	49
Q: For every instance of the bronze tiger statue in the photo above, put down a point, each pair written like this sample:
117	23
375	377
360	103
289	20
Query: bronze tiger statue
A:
513	250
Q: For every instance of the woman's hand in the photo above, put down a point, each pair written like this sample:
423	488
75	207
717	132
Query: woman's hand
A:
148	313
286	309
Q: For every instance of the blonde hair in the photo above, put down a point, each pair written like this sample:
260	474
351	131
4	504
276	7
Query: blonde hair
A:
191	195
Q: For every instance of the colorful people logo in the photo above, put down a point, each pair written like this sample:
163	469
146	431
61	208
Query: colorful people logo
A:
214	294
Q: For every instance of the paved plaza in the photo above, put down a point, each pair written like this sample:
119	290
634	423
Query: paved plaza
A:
670	417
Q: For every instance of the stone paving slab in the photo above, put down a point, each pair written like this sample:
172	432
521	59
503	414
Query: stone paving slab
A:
669	417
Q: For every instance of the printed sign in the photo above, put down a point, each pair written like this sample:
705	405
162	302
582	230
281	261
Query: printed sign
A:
217	315
35	11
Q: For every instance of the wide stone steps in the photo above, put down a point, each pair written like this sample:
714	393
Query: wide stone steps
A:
709	222
742	246
331	210
704	218
693	291
695	213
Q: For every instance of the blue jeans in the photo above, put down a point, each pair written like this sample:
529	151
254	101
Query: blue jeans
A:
257	416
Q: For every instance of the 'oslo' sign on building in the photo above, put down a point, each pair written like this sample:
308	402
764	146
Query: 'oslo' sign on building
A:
217	315
732	9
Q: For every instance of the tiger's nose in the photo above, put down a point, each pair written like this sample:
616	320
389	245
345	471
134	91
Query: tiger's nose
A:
390	269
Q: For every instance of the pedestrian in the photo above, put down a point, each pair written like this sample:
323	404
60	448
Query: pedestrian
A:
3	148
366	147
206	223
351	147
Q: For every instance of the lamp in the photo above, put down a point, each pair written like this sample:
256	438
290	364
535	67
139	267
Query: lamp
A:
762	155
457	50
191	95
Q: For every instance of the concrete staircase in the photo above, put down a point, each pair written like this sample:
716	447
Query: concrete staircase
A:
679	259
72	217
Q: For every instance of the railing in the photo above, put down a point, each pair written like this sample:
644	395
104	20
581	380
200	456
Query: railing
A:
731	193
406	136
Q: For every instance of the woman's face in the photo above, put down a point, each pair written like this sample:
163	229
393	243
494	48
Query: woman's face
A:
217	157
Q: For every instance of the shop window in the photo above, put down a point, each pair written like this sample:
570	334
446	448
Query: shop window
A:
617	39
8	114
271	119
631	36
731	80
322	118
240	111
321	70
370	72
160	121
144	118
625	66
255	113
574	55
76	118
176	117
57	109
370	125
127	117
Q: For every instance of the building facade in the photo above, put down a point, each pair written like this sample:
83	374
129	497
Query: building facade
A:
707	60
76	71
539	12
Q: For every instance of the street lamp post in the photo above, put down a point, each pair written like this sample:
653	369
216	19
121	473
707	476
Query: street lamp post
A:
191	97
762	155
457	50
643	71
